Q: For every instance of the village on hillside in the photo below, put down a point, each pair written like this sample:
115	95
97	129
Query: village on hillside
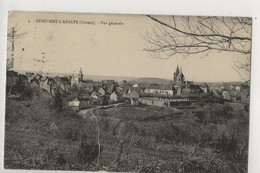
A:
103	93
136	117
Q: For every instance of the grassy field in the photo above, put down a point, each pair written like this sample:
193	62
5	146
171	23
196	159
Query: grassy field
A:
212	137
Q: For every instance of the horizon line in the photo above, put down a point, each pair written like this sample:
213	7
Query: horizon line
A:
129	76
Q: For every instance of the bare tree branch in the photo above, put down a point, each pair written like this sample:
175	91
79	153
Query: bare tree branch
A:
200	35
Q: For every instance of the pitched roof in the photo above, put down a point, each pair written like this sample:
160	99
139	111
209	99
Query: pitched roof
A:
204	85
86	84
166	87
160	86
101	88
135	85
134	94
138	90
96	94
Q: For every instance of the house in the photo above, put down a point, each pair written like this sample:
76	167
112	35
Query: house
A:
84	96
217	93
38	77
159	90
191	88
76	78
125	87
77	104
119	89
97	85
136	89
225	87
97	98
89	87
238	88
205	88
63	83
74	104
102	91
110	88
134	97
46	84
231	88
31	78
226	96
95	95
85	103
116	97
136	85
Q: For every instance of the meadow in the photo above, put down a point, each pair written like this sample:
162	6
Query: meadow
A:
209	137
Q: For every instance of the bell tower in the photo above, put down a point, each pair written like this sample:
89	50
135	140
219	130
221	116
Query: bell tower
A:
175	74
80	76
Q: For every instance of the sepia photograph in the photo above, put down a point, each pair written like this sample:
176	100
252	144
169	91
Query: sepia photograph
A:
127	93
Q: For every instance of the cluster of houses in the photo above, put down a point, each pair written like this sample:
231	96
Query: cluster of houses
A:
109	91
106	92
233	92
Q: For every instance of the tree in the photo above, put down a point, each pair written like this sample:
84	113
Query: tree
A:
200	35
58	101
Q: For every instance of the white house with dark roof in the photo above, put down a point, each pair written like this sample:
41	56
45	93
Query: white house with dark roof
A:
159	89
115	96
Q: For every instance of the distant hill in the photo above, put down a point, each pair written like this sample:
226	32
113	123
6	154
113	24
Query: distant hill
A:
116	78
134	80
91	77
149	81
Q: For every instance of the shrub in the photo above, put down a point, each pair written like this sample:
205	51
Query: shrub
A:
200	115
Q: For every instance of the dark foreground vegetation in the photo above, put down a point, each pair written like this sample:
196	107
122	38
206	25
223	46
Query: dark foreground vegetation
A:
42	133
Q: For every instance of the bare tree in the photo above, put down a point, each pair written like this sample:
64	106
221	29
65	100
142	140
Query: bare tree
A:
200	35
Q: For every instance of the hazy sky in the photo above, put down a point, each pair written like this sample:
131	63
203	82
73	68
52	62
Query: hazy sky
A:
103	49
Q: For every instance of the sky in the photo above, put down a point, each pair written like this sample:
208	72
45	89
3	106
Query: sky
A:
87	41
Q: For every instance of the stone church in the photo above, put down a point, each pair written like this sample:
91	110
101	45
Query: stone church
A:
184	87
178	80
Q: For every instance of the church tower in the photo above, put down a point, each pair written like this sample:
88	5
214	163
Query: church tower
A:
179	80
77	78
80	76
180	77
175	74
